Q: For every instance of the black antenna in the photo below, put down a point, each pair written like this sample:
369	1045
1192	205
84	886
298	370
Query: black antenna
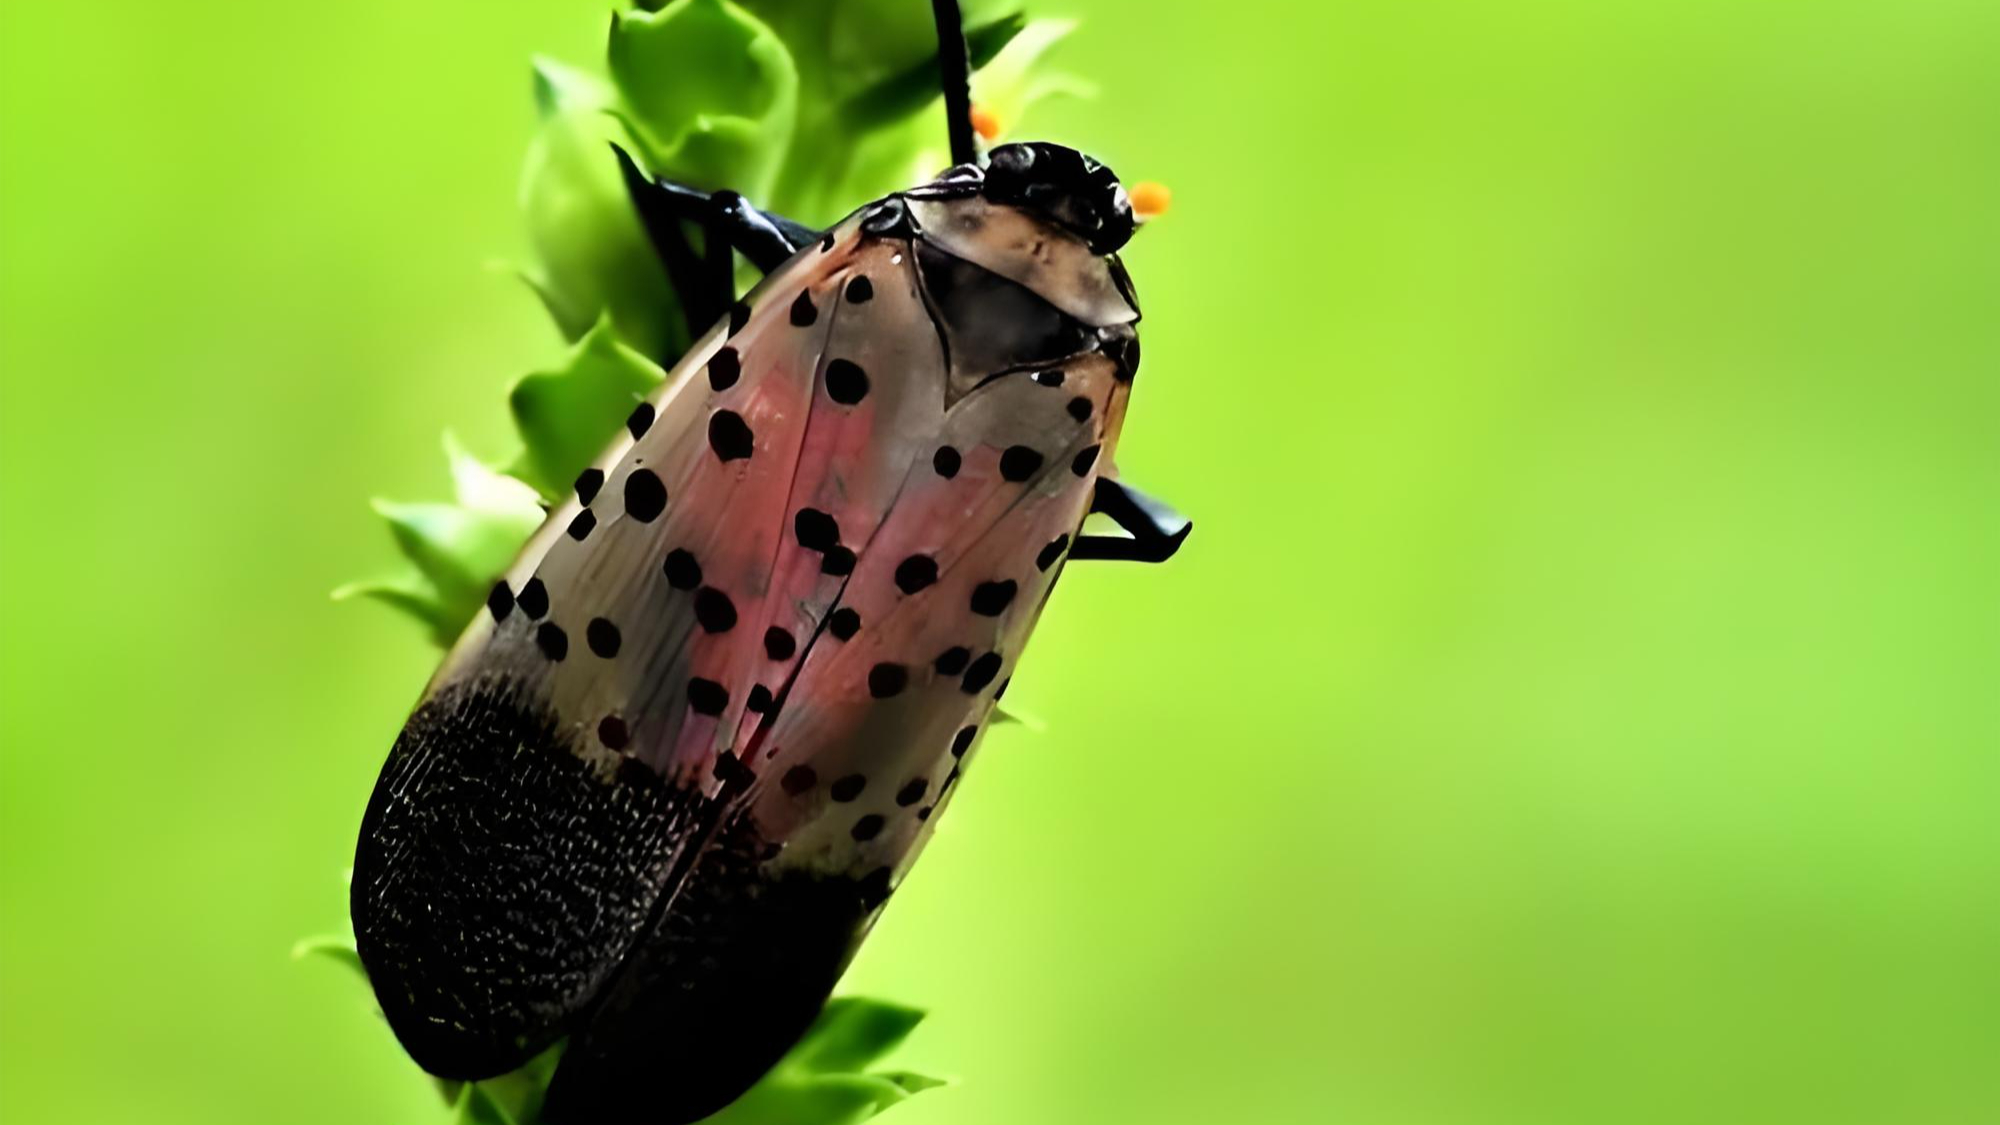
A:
955	75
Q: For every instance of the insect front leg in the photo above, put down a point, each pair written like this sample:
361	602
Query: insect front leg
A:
760	236
662	210
764	239
1154	528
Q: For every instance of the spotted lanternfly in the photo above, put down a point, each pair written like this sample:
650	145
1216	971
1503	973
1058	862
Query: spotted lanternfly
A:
658	792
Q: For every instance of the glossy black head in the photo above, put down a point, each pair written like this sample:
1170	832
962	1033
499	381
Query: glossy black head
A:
1065	187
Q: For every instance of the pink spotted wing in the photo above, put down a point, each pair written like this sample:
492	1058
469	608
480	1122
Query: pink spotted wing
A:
656	795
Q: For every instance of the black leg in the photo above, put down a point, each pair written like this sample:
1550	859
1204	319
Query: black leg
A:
718	267
1156	530
706	285
662	209
765	239
955	76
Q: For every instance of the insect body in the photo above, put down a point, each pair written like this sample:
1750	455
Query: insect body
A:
659	790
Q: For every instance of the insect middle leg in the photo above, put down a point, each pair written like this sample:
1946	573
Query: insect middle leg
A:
1156	531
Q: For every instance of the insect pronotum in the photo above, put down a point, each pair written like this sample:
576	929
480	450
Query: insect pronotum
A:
658	791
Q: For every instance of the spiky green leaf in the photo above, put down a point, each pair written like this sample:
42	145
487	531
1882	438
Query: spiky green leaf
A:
567	415
592	257
912	1082
908	91
824	1080
710	90
331	947
853	1032
412	594
455	549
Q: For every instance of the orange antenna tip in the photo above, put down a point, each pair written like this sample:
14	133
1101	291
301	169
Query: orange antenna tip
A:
985	122
1150	199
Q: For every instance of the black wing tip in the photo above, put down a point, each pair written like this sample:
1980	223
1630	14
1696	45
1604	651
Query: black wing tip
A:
480	954
725	984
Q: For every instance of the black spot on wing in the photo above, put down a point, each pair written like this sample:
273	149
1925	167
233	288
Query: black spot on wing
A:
713	610
534	599
587	484
953	660
645	496
779	644
846	382
1051	552
729	436
915	573
724	368
1019	463
500	601
946	461
843	623
681	569
582	525
612	733
847	788
640	420
990	599
706	697
553	642
603	637
803	313
860	290
886	680
815	530
1084	459
730	770
980	673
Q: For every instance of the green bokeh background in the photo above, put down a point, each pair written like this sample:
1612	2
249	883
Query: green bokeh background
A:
1577	703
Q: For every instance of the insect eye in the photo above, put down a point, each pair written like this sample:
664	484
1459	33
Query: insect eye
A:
993	324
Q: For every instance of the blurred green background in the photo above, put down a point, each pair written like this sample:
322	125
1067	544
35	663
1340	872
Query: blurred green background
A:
1577	703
